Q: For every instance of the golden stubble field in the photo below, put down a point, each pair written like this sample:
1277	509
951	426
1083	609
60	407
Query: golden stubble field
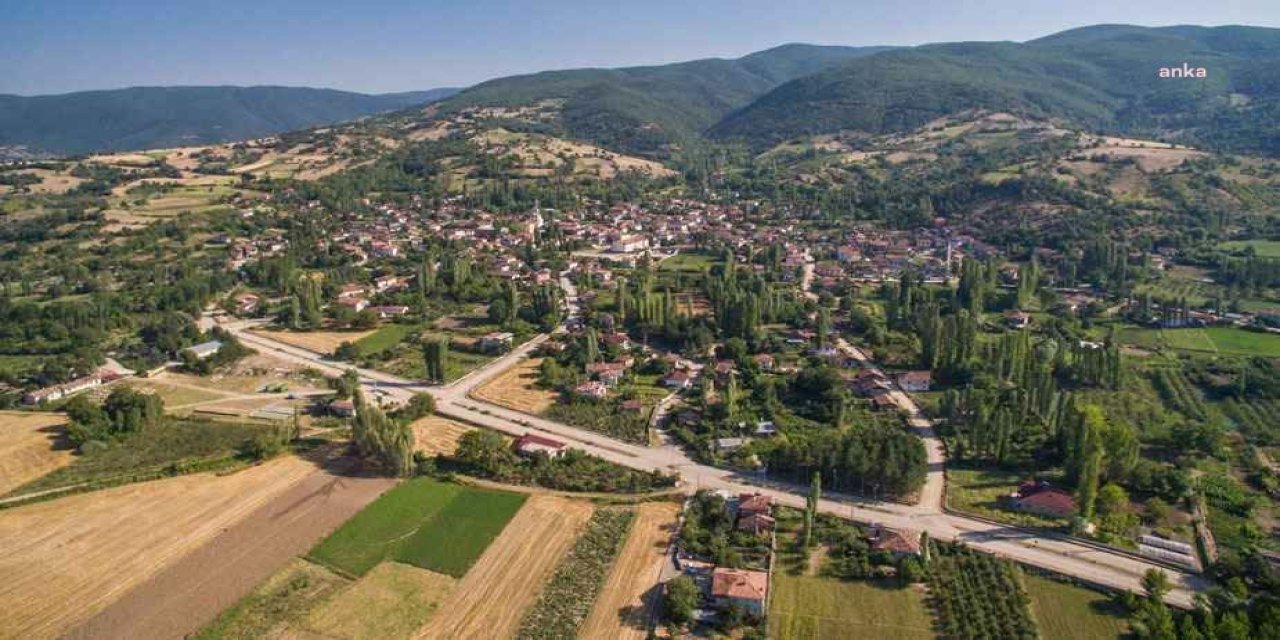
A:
628	599
30	446
434	435
67	559
491	599
516	388
323	342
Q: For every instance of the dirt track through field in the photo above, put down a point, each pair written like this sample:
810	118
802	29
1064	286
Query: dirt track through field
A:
628	599
27	442
491	599
191	591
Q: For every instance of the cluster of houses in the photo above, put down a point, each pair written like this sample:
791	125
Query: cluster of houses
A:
723	587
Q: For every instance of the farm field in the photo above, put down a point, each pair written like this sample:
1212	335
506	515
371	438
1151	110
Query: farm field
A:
391	602
516	388
176	395
630	595
30	447
811	607
323	342
281	602
694	262
385	337
1067	612
1223	340
491	599
437	436
178	440
1263	248
67	559
433	525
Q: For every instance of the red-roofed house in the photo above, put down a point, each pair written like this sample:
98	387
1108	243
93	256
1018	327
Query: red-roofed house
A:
530	444
898	542
741	587
1041	499
915	380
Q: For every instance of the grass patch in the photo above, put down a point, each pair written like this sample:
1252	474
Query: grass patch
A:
1067	612
813	607
386	337
1262	248
393	601
695	262
283	599
978	491
434	525
1246	343
173	443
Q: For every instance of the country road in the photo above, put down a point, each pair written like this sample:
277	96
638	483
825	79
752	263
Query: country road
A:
1055	553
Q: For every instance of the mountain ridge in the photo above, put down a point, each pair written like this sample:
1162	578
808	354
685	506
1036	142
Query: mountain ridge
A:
150	117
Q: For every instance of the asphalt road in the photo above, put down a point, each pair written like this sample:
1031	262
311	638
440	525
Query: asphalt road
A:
1055	553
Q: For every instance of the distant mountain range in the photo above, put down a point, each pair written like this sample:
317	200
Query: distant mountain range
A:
1102	77
1105	78
153	117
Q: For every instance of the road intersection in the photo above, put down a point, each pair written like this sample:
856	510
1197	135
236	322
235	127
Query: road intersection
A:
1054	552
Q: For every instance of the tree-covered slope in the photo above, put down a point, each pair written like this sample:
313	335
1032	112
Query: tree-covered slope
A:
645	108
1103	77
150	117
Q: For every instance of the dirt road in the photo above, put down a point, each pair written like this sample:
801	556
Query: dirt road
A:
192	591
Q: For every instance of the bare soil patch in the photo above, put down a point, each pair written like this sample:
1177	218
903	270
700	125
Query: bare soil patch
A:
31	445
517	388
491	599
67	559
629	598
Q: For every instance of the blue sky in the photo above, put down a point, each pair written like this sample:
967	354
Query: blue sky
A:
54	46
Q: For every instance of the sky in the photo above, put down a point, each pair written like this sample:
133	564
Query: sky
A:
374	46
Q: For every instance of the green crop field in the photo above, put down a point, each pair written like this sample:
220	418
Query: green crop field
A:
1222	340
1263	248
434	525
1068	612
1248	343
814	608
688	262
386	337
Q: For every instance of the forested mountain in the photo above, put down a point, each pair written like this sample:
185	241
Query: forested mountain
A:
1103	77
643	109
151	117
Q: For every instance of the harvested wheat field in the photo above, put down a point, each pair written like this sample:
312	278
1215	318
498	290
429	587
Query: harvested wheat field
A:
67	559
391	602
516	388
629	597
491	599
323	342
438	436
30	446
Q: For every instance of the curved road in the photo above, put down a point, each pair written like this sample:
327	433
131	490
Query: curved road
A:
1060	554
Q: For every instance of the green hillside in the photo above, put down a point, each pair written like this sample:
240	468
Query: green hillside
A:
1103	77
644	109
151	117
